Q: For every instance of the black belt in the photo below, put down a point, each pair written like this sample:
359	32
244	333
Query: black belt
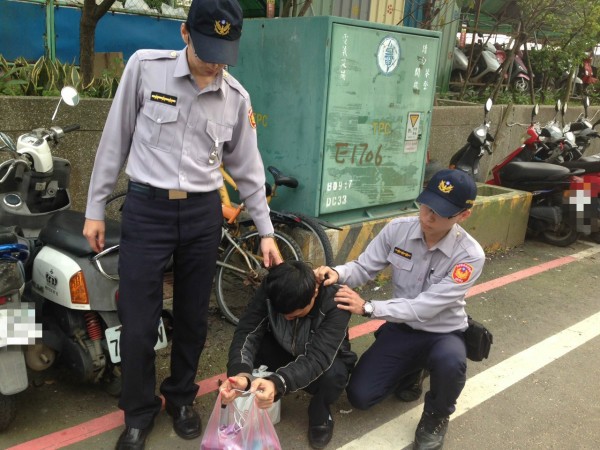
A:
154	192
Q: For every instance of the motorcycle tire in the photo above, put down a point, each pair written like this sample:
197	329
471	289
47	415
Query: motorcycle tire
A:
8	410
521	85
565	236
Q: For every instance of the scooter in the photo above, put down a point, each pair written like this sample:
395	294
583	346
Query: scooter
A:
75	290
519	75
548	219
17	325
479	141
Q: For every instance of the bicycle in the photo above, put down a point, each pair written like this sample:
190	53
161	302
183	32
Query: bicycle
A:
240	270
307	231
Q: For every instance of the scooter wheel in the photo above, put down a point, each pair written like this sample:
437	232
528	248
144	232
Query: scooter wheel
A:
566	235
8	410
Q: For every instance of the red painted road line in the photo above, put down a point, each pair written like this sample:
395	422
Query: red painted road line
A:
111	421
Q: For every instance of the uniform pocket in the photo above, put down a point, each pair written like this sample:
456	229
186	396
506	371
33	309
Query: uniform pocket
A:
162	125
219	134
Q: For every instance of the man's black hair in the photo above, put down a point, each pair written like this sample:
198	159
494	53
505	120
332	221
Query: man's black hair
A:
290	286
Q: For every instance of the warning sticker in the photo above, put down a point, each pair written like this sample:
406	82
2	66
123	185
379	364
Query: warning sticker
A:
412	126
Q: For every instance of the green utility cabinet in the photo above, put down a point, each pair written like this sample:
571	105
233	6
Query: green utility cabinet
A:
344	106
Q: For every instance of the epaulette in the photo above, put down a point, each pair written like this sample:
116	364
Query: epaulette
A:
145	55
235	84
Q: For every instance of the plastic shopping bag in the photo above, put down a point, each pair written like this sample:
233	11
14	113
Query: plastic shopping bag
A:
240	425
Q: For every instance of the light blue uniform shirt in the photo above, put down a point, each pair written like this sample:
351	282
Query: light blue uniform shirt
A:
429	284
167	128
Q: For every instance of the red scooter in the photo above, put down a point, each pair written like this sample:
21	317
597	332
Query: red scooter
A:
549	217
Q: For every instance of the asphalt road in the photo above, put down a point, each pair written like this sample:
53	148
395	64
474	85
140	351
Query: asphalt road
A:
540	388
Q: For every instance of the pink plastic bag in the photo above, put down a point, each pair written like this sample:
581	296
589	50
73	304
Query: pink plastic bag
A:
240	425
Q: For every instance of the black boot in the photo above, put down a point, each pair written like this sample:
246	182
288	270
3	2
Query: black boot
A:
412	389
431	431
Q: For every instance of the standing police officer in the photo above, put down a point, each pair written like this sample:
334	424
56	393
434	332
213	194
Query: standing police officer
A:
434	262
176	116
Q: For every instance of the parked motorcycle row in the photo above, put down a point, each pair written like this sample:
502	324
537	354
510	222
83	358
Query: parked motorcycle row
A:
48	271
488	60
565	184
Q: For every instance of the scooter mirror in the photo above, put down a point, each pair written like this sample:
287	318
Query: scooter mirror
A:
488	105
69	95
558	105
563	110
586	101
535	111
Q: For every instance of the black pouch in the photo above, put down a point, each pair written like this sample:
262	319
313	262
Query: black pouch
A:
478	340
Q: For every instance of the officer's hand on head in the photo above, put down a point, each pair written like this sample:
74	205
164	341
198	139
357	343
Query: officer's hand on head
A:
94	231
326	275
265	392
270	252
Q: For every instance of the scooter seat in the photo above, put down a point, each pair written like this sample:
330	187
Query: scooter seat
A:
64	230
588	166
534	171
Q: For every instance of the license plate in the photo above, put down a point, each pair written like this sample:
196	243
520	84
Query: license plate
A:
114	334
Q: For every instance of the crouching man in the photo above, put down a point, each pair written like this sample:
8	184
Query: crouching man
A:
294	327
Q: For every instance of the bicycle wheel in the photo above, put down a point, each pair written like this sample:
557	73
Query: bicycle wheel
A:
114	206
313	240
237	278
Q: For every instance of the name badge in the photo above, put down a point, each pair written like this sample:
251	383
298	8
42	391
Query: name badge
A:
163	98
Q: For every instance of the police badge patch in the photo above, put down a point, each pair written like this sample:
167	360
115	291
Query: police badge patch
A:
462	272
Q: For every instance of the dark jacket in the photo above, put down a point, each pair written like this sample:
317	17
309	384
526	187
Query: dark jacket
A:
315	340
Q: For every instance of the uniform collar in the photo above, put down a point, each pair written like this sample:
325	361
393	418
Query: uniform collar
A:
182	69
447	243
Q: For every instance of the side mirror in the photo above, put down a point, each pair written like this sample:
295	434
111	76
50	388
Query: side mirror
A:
69	95
535	111
558	105
563	110
488	105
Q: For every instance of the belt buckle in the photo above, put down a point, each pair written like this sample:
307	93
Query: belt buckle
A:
174	194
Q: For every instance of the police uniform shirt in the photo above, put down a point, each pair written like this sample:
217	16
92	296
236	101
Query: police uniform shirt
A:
175	136
429	283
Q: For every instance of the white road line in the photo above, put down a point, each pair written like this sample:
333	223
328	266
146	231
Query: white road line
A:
399	432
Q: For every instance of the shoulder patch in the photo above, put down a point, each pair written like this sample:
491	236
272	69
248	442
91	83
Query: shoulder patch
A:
462	272
251	118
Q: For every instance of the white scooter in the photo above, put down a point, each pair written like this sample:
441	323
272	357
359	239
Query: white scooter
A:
75	290
17	325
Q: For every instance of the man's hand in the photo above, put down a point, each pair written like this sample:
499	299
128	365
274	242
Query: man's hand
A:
265	392
270	252
229	386
326	275
349	300
94	231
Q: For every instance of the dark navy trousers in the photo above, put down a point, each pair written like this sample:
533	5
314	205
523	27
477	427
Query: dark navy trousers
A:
153	230
399	351
325	390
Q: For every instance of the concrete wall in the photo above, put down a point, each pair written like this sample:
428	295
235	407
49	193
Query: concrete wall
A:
450	127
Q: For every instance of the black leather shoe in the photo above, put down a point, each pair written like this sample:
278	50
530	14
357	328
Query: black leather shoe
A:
430	432
133	438
186	421
320	435
415	387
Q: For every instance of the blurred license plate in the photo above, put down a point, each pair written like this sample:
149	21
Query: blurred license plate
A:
114	334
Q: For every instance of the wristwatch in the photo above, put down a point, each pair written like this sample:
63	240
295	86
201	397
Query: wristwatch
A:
367	309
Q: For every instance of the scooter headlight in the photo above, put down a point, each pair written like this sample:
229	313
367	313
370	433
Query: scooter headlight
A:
78	288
